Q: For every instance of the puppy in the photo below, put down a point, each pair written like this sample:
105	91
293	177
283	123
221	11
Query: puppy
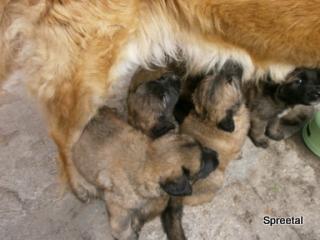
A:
219	121
136	174
219	115
151	101
269	101
152	97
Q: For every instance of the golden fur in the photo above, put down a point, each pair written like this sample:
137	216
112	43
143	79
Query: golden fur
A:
76	55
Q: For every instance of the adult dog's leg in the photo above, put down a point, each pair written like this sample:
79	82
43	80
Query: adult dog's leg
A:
74	100
65	129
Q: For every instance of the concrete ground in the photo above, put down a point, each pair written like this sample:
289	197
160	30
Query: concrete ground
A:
281	181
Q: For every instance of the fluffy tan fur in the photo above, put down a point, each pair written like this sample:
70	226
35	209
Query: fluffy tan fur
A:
131	170
228	145
212	98
75	55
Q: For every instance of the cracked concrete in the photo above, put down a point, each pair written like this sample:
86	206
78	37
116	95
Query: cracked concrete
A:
281	181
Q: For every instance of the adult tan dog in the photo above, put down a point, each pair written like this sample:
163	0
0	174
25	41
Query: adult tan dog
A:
77	55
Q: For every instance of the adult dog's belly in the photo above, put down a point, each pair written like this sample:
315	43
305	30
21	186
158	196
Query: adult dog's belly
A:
199	57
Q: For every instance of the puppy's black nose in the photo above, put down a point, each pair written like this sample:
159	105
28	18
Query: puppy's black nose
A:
210	162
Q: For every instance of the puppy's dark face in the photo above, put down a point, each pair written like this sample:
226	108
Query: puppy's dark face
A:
219	97
180	161
165	89
151	105
302	87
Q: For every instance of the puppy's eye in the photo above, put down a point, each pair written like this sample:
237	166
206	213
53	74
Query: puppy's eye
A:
298	82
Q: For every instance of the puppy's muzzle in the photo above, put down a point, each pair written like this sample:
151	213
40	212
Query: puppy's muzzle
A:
209	161
172	80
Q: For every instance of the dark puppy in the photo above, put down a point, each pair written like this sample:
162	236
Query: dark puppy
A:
151	101
136	174
269	101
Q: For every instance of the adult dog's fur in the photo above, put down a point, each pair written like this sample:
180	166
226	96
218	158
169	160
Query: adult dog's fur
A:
77	55
136	174
219	121
269	101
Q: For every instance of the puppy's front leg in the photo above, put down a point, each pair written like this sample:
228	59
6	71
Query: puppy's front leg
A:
273	129
171	219
256	132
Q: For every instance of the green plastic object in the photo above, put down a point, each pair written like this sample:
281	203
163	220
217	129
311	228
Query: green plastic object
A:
311	134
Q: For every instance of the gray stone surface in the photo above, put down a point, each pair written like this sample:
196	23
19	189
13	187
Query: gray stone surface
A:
280	181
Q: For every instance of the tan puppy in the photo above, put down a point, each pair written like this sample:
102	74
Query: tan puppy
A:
219	121
152	97
269	102
151	101
77	55
136	174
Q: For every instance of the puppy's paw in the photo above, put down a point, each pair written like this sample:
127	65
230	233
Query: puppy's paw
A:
277	136
313	95
82	189
261	142
292	122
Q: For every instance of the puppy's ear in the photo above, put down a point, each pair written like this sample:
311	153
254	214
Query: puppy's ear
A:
179	187
161	128
232	71
182	109
227	123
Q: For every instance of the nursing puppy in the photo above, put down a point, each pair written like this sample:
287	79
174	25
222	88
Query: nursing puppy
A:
219	121
152	97
219	113
269	102
136	174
